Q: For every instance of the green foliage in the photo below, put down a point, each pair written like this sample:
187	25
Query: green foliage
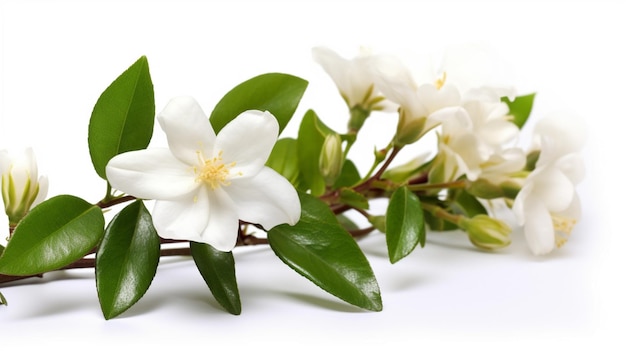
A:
353	198
284	159
54	234
404	224
127	259
468	205
520	108
123	117
311	136
3	301
318	248
349	175
218	270
277	93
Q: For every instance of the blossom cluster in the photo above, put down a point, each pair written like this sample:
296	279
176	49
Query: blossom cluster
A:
477	138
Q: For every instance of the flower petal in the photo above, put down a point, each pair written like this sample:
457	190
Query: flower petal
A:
247	141
151	174
187	128
223	223
538	229
267	199
182	219
554	189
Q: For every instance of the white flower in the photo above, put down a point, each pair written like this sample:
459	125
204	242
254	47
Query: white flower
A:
548	205
422	107
204	184
476	137
22	188
353	78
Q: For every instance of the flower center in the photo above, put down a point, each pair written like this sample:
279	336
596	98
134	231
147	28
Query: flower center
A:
563	227
213	171
441	81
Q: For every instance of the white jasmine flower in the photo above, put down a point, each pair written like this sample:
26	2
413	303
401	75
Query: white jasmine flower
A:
422	107
353	78
548	205
477	136
22	188
205	183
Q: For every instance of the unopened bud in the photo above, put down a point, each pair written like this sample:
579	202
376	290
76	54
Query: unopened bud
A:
486	232
21	186
331	158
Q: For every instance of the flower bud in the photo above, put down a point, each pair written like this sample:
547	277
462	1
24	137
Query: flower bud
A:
331	158
21	186
486	232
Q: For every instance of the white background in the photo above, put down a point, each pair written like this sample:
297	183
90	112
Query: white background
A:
56	57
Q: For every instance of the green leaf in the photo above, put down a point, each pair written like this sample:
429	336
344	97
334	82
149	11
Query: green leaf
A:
218	270
353	198
3	301
123	117
319	249
127	259
284	159
1	250
277	93
349	175
520	108
54	234
311	136
468	205
404	224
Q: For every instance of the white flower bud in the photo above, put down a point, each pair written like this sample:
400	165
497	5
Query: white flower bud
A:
21	186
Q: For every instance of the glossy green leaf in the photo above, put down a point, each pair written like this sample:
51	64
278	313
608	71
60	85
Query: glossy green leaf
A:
218	270
520	108
284	159
277	93
404	224
319	249
127	259
311	136
123	117
54	234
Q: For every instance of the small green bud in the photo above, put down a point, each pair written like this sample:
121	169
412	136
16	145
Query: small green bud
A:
379	222
486	232
409	129
331	158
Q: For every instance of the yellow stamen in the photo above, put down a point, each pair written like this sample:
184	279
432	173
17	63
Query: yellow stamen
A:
213	171
563	227
441	81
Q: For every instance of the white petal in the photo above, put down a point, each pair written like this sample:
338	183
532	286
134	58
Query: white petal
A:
223	224
560	134
151	174
43	191
183	219
538	229
187	128
267	199
334	65
572	165
247	141
519	208
554	189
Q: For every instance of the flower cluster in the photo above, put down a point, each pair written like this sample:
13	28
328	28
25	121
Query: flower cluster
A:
229	178
477	139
